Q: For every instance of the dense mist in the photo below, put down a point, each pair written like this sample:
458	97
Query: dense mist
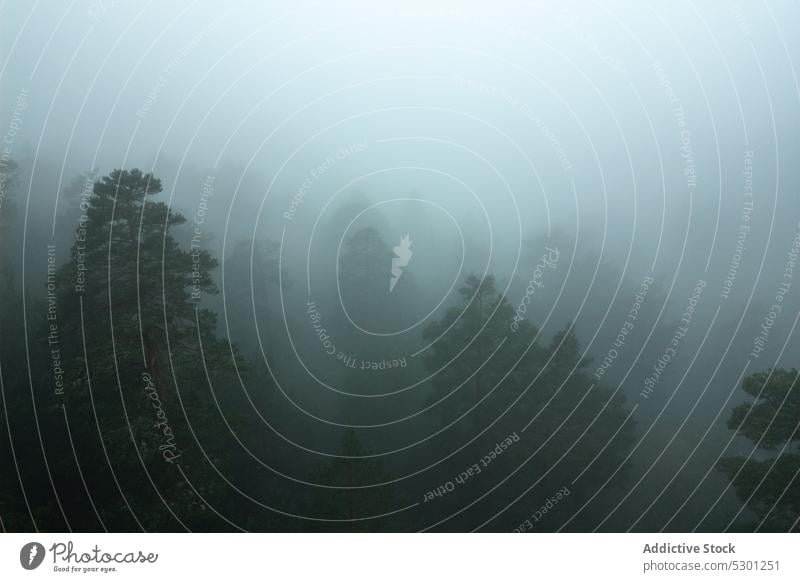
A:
419	266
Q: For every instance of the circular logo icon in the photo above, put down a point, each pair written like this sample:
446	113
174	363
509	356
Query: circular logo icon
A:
31	555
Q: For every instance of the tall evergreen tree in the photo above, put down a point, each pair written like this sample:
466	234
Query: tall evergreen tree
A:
351	502
364	274
495	380
131	396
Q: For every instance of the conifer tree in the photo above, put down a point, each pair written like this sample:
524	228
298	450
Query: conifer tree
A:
770	419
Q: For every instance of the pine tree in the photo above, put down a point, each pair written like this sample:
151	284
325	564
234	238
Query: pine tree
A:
364	273
494	380
135	391
467	336
770	419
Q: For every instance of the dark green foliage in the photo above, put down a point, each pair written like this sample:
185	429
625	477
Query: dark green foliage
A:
770	419
354	499
525	383
134	349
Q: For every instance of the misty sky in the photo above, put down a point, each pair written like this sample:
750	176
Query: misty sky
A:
533	116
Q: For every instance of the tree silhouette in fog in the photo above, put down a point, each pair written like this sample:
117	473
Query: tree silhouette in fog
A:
364	270
770	419
125	415
495	380
355	497
9	182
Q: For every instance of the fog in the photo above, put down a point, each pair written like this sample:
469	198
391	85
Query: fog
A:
415	235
